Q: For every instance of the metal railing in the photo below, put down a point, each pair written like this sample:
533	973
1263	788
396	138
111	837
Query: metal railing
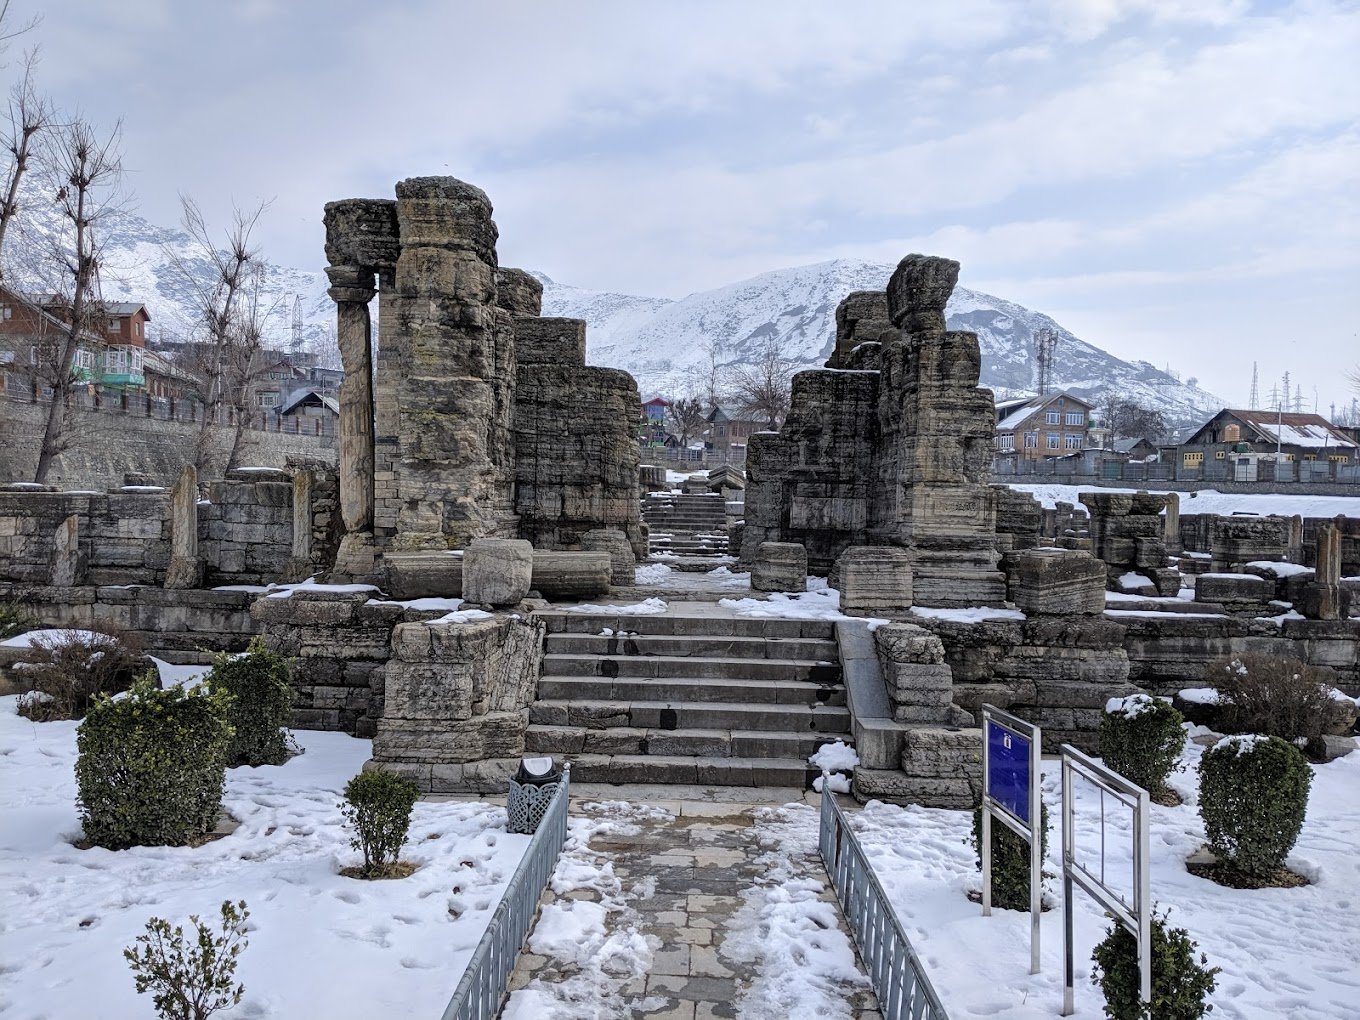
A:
482	990
895	971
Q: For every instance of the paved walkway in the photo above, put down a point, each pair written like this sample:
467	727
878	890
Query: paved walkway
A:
731	900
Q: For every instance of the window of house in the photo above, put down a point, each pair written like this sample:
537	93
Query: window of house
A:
1053	440
1075	418
1310	456
1220	454
6	312
1288	458
1072	442
115	361
84	359
1006	441
1053	417
1191	459
1031	440
266	399
1340	458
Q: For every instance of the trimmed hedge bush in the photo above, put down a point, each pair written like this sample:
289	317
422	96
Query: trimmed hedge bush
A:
151	766
378	806
259	704
1253	797
1010	860
1277	697
62	673
15	618
1180	985
1142	740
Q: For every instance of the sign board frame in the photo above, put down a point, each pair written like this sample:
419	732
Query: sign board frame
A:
1136	918
1012	733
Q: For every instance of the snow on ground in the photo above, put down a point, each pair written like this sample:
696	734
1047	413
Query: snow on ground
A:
804	963
320	944
647	607
49	637
661	575
971	614
442	605
1280	569
599	940
1284	952
1211	501
809	605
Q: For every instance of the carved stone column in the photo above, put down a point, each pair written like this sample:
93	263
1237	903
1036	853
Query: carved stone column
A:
186	567
352	288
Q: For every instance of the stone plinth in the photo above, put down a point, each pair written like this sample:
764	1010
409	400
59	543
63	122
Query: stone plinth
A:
1128	533
1019	517
497	571
1239	540
1056	582
548	341
872	577
779	566
1232	589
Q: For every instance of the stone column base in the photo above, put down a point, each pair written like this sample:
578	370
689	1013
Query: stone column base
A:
356	560
184	572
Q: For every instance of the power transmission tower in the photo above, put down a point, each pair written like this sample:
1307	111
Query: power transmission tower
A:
1255	400
1045	346
1298	398
297	323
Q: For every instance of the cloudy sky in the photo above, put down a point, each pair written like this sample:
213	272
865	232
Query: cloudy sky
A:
1173	180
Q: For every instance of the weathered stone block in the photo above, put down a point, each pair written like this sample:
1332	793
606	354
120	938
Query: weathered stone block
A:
1056	582
497	571
872	578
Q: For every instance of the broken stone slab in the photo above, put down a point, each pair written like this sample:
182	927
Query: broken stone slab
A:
497	571
1230	589
779	566
423	574
571	575
623	564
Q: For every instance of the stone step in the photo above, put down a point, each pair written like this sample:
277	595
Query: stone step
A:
696	624
690	715
575	740
690	689
560	664
732	647
691	771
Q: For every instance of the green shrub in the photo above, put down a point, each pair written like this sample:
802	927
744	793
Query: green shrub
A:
1180	984
1277	697
260	702
1253	796
151	766
1010	860
378	806
15	618
1142	740
63	672
191	980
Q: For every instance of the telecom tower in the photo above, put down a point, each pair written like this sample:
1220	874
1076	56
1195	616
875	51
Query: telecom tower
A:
1045	347
297	323
1254	402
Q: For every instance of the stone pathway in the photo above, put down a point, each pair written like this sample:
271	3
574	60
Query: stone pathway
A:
703	887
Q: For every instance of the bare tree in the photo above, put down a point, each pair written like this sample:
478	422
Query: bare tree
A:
686	419
761	389
245	359
1353	378
1128	420
85	173
713	374
219	279
9	29
29	114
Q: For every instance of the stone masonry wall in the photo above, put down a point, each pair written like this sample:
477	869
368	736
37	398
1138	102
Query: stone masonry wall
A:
122	537
245	531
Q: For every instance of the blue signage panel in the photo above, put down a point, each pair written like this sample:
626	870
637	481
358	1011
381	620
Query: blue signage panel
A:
1008	769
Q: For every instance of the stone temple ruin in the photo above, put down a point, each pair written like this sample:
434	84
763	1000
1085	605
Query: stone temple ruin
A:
483	460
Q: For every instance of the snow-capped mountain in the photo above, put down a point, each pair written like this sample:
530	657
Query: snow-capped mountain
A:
664	343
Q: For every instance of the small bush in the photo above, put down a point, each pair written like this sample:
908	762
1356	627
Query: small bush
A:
378	806
1010	860
191	980
151	766
1277	697
15	618
1253	796
63	672
260	702
1142	740
1180	984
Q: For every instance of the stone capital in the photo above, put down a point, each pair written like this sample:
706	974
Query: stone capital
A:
351	284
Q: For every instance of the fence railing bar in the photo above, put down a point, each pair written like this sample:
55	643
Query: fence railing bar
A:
483	986
893	967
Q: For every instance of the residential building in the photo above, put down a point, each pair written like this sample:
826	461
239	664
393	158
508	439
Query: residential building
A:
652	421
728	431
33	328
1053	425
308	406
1286	436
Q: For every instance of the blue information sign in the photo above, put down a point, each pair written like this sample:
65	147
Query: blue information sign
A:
1008	769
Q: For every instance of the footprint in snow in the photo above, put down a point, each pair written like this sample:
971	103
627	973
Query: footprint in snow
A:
346	896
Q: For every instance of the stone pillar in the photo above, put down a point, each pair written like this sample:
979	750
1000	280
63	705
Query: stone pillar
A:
1294	542
352	288
300	562
186	566
68	565
1171	533
779	566
1323	598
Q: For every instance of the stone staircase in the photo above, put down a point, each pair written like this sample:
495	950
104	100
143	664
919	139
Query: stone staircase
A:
687	524
697	696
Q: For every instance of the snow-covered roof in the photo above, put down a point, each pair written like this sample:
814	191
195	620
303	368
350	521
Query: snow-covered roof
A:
1295	429
299	396
1017	418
